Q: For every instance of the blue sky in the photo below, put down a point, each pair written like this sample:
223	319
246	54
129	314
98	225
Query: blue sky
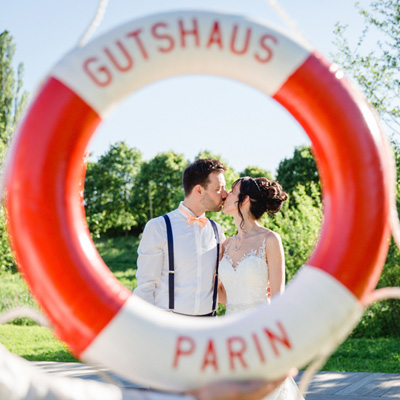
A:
193	113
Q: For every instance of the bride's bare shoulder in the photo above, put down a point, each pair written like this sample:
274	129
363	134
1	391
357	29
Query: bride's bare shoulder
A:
271	236
227	241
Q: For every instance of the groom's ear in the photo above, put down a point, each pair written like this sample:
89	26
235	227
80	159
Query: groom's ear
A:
198	190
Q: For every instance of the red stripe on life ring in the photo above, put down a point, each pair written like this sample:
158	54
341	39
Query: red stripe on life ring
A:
75	289
356	203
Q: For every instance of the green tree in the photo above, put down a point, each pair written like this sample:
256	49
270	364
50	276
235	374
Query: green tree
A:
158	187
299	225
256	172
12	102
299	170
108	189
376	71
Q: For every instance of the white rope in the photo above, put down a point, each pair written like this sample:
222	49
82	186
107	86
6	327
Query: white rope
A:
24	312
284	16
382	294
309	373
101	8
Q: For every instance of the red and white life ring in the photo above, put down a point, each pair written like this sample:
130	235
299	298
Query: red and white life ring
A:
100	320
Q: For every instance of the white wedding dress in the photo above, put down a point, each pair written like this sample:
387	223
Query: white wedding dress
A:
246	287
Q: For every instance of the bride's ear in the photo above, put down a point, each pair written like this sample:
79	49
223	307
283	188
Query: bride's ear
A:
246	200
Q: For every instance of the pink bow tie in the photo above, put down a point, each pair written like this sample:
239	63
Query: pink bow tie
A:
199	221
191	219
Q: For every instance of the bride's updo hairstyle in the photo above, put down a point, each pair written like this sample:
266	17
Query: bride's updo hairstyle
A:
265	196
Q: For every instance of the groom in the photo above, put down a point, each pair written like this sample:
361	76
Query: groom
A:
188	251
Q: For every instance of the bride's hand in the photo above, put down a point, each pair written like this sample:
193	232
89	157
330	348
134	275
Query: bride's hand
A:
234	390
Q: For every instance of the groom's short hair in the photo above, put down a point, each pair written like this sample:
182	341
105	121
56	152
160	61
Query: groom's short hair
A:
198	172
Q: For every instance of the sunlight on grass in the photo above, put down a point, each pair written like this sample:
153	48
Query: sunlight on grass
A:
34	343
366	355
14	292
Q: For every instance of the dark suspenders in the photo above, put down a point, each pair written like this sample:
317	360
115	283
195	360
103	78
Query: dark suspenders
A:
214	306
171	278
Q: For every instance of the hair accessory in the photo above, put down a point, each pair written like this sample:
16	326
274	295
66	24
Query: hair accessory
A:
255	182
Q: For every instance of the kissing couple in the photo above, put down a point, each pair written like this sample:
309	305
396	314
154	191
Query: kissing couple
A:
187	266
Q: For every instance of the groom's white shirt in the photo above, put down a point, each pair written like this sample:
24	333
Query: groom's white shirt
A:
195	253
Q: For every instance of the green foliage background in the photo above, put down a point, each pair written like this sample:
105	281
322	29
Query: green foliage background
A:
12	102
108	186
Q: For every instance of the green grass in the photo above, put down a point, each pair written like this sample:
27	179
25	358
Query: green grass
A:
34	343
14	293
366	355
120	255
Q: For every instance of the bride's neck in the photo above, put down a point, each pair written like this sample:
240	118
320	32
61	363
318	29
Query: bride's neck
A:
246	226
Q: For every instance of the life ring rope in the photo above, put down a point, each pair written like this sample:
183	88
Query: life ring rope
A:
101	9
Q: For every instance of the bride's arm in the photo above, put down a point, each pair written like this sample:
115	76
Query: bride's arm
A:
276	263
221	289
221	294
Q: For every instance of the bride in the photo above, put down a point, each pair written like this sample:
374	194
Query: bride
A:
252	267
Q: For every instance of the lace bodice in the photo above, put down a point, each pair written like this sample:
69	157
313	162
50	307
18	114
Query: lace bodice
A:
246	282
246	287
